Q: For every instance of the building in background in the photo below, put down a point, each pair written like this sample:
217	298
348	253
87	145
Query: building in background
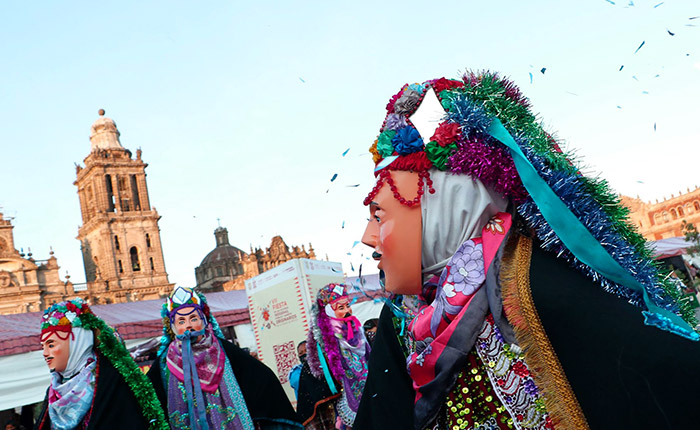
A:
119	237
226	267
662	220
26	284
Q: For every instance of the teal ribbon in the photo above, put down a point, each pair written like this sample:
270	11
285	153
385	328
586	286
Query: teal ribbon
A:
326	371
580	241
189	368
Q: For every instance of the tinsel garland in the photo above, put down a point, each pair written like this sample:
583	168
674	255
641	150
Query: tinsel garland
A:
112	349
591	200
321	333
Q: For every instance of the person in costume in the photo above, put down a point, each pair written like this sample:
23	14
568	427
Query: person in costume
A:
95	384
523	298
337	353
205	382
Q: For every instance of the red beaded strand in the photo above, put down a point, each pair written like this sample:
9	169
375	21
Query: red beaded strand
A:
385	176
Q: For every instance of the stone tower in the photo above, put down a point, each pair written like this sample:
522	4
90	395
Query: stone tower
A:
119	238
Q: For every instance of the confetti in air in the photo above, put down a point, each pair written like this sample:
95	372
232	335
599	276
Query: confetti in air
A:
657	5
353	186
346	152
669	32
302	81
619	107
354	244
610	1
621	67
530	73
640	46
654	126
544	69
335	175
343	226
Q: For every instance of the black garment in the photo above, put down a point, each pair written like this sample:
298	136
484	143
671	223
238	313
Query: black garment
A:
387	401
625	375
312	393
262	391
114	406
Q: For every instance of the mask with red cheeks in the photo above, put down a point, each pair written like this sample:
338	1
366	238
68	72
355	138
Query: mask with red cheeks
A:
56	351
394	231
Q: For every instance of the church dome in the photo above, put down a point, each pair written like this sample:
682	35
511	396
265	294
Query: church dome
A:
222	253
104	133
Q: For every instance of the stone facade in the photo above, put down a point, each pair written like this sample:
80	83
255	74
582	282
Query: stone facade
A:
119	237
26	284
661	220
226	267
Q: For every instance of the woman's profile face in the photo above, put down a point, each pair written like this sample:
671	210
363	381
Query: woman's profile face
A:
394	231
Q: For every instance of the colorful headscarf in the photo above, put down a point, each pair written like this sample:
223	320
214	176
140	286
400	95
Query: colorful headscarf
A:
75	320
482	126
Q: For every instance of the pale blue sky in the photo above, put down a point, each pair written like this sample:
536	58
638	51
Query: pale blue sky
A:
243	109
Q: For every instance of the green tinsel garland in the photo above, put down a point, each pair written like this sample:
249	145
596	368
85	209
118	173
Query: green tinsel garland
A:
518	119
117	354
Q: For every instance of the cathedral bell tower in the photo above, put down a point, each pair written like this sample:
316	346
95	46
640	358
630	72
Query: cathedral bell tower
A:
119	238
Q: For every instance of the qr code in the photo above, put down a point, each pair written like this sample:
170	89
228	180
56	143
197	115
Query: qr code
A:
286	358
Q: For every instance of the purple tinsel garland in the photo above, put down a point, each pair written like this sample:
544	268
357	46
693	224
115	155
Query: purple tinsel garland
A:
329	344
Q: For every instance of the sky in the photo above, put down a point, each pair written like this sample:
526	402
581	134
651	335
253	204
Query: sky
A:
243	110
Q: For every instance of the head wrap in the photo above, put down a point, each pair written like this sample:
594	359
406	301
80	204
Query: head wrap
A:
330	296
481	126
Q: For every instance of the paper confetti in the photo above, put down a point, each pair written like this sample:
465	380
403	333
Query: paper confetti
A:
303	81
544	69
635	78
655	6
346	152
354	244
640	46
343	226
610	1
654	126
669	32
353	186
619	107
335	175
530	73
645	92
621	67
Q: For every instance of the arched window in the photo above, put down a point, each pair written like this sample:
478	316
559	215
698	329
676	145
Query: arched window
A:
680	211
666	217
148	240
696	205
116	242
134	254
674	215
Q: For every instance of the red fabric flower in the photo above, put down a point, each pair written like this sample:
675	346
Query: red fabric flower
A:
446	84
446	133
71	307
520	369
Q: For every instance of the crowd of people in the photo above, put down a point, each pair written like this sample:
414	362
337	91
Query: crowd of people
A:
520	297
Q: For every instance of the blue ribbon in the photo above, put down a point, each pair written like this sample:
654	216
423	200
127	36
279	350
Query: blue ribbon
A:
326	372
189	368
580	241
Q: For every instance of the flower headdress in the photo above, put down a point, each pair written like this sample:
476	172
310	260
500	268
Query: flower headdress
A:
331	295
482	126
60	319
183	298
